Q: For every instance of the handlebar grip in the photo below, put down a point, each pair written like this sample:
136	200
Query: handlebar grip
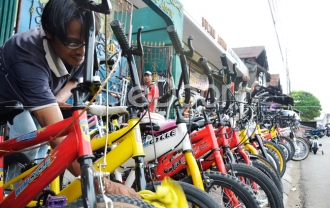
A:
207	70
190	52
234	75
166	96
120	35
224	62
204	65
172	32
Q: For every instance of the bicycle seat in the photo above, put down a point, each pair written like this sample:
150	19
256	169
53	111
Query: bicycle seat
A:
101	110
201	123
147	126
8	111
315	131
164	125
194	119
194	126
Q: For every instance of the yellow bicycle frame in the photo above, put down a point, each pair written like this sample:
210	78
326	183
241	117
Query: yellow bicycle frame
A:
245	141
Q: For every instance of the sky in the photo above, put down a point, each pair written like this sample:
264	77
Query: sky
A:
302	27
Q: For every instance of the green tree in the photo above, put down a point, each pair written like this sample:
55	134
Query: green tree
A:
307	103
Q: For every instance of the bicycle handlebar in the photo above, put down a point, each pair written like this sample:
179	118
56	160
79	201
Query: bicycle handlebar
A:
129	51
174	38
120	35
229	75
207	70
172	32
224	60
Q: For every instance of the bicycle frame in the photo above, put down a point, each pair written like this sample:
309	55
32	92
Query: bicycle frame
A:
128	146
75	145
169	143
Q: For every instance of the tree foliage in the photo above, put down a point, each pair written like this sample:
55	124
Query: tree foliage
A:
307	103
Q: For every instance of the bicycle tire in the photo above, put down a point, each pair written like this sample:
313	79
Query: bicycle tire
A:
270	165
271	157
289	143
272	175
17	160
195	196
286	151
279	154
266	195
302	151
220	180
119	200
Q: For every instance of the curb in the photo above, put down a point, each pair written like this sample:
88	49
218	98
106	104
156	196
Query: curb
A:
287	181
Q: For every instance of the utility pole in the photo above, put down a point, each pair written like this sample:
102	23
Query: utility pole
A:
276	22
288	82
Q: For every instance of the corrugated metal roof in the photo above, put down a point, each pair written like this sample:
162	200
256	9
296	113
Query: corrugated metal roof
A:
249	52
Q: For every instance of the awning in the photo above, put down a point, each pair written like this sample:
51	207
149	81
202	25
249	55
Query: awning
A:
273	96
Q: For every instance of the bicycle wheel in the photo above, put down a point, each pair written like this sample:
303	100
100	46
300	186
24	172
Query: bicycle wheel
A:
194	195
118	201
271	174
289	143
279	155
14	164
286	151
302	149
259	183
269	164
271	157
217	185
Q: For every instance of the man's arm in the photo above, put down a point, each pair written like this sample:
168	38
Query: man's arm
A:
155	105
50	115
156	96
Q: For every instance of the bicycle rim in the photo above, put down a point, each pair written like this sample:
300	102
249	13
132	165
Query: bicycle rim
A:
225	189
302	150
258	183
285	150
195	196
279	154
118	201
289	143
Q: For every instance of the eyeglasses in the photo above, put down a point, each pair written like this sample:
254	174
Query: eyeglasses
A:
73	45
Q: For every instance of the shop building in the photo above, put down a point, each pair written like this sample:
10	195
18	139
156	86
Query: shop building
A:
155	16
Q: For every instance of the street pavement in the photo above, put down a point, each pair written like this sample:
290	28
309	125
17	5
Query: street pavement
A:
306	183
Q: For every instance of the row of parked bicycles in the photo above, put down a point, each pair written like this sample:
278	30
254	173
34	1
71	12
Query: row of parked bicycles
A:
231	155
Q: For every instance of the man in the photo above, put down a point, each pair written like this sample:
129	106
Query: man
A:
152	90
39	67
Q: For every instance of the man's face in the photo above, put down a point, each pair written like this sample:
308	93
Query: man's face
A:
76	35
147	79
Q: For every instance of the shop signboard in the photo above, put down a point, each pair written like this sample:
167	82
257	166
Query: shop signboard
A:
198	80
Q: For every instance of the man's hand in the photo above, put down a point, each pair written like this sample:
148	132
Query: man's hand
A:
64	105
111	187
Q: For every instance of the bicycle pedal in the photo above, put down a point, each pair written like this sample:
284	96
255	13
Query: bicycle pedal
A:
56	201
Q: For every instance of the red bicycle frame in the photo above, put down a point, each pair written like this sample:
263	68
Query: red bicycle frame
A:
172	163
75	145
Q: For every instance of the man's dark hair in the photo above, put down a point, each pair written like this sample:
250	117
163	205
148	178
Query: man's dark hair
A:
58	13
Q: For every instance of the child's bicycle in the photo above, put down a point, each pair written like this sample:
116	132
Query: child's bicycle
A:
314	144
